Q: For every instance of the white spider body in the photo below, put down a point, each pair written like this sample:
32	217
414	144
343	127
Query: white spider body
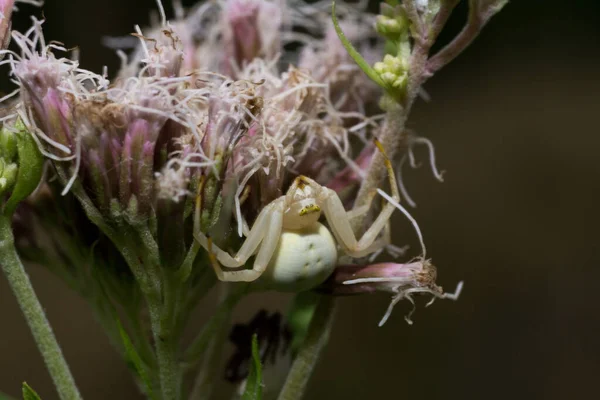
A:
294	252
303	259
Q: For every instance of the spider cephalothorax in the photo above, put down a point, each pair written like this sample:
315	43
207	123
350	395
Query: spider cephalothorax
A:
294	251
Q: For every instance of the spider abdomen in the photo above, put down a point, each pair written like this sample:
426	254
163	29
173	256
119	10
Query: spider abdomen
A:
304	258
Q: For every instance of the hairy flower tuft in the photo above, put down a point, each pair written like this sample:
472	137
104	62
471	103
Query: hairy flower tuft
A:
403	280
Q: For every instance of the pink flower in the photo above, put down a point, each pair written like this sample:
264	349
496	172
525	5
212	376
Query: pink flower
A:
251	29
403	280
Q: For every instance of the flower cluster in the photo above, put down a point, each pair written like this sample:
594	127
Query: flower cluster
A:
227	130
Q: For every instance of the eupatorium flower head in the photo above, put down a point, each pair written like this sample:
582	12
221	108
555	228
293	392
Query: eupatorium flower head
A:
178	150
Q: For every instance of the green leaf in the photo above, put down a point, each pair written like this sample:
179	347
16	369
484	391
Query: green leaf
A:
358	59
31	165
299	316
254	382
134	358
29	393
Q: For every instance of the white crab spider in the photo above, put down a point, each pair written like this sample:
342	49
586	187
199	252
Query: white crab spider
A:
293	250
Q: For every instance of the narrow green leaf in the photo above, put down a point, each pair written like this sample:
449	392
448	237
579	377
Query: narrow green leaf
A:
135	359
254	382
31	165
358	59
29	393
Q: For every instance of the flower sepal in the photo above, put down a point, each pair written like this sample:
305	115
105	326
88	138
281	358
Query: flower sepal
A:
21	166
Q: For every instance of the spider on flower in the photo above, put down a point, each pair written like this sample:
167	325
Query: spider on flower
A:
294	251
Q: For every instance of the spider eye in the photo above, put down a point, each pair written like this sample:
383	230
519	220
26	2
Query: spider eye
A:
309	209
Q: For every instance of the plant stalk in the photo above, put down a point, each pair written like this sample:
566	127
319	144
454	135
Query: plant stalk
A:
34	314
160	289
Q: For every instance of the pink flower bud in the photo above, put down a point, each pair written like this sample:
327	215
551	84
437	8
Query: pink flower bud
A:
137	162
251	29
403	280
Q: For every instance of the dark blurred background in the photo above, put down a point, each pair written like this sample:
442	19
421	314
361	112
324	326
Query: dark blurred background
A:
515	125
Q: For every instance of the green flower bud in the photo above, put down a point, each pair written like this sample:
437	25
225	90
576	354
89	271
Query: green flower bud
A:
21	165
393	71
391	27
391	22
395	65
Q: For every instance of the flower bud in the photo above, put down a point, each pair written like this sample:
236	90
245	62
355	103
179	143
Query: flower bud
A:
390	28
251	29
165	56
401	279
137	176
393	71
392	22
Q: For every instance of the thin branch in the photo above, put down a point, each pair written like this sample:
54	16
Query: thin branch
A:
413	15
440	20
479	15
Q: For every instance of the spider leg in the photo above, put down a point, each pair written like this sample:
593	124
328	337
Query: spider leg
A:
338	219
265	233
362	210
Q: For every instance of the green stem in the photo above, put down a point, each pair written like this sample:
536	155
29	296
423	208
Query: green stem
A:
34	314
165	344
138	250
145	267
169	372
392	137
308	355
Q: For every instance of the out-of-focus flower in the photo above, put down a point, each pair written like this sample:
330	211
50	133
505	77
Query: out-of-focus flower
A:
330	63
6	8
251	29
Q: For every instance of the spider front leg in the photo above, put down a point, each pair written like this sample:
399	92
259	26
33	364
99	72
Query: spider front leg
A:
264	233
339	219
